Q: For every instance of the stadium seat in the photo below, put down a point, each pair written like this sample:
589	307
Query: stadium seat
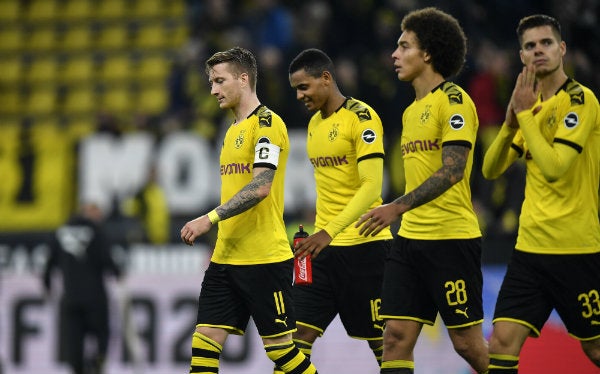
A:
151	36
153	68
76	10
10	102
40	101
117	99
41	39
42	69
40	10
111	9
10	10
11	39
152	99
78	68
80	100
148	8
116	68
77	38
113	37
11	68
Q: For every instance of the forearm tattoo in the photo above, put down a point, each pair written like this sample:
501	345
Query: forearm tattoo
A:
247	197
454	159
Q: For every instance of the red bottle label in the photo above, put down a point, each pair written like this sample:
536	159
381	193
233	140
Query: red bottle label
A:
302	267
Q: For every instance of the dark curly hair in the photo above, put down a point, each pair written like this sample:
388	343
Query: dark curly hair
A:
440	35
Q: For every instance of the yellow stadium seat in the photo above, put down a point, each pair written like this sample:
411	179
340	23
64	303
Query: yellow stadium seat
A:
149	36
111	9
41	39
116	68
78	68
115	36
152	99
77	38
40	101
80	100
10	10
153	68
10	69
175	8
117	99
42	70
148	8
11	39
41	10
76	10
10	102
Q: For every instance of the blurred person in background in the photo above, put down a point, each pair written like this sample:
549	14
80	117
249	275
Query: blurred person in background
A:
435	263
80	251
250	273
345	147
554	122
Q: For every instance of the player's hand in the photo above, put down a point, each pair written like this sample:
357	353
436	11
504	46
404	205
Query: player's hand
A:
194	229
526	90
371	223
313	244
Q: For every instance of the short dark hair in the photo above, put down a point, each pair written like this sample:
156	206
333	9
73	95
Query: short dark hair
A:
441	36
538	20
313	61
242	60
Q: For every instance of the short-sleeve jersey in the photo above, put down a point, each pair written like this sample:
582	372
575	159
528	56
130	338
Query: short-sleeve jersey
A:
561	217
335	145
258	235
445	116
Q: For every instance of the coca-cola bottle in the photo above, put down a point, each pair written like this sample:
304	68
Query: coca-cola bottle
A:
302	267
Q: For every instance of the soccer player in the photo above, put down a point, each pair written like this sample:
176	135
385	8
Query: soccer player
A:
345	147
554	122
435	262
250	273
80	250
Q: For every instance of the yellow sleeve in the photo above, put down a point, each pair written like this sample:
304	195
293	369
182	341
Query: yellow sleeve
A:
552	161
370	172
500	155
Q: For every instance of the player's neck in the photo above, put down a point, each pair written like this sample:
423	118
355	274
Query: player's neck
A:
552	82
334	103
245	108
425	82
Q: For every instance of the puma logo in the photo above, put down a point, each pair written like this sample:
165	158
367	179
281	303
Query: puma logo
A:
380	327
463	312
594	323
284	321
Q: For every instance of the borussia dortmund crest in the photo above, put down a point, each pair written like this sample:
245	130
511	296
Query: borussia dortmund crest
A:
239	141
333	133
425	115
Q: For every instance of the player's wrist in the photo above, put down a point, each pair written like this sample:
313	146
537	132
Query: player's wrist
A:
213	216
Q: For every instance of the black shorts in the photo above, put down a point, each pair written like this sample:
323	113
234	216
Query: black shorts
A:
535	284
424	277
230	294
346	281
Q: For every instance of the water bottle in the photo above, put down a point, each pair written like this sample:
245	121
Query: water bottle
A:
302	267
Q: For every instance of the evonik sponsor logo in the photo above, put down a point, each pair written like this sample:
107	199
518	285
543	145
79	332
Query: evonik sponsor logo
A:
235	168
329	161
420	146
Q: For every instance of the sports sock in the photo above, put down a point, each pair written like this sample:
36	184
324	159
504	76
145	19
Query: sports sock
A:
503	364
205	355
288	358
378	352
397	367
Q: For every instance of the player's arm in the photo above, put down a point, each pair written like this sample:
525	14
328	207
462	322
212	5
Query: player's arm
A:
454	161
501	153
553	159
370	172
263	173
